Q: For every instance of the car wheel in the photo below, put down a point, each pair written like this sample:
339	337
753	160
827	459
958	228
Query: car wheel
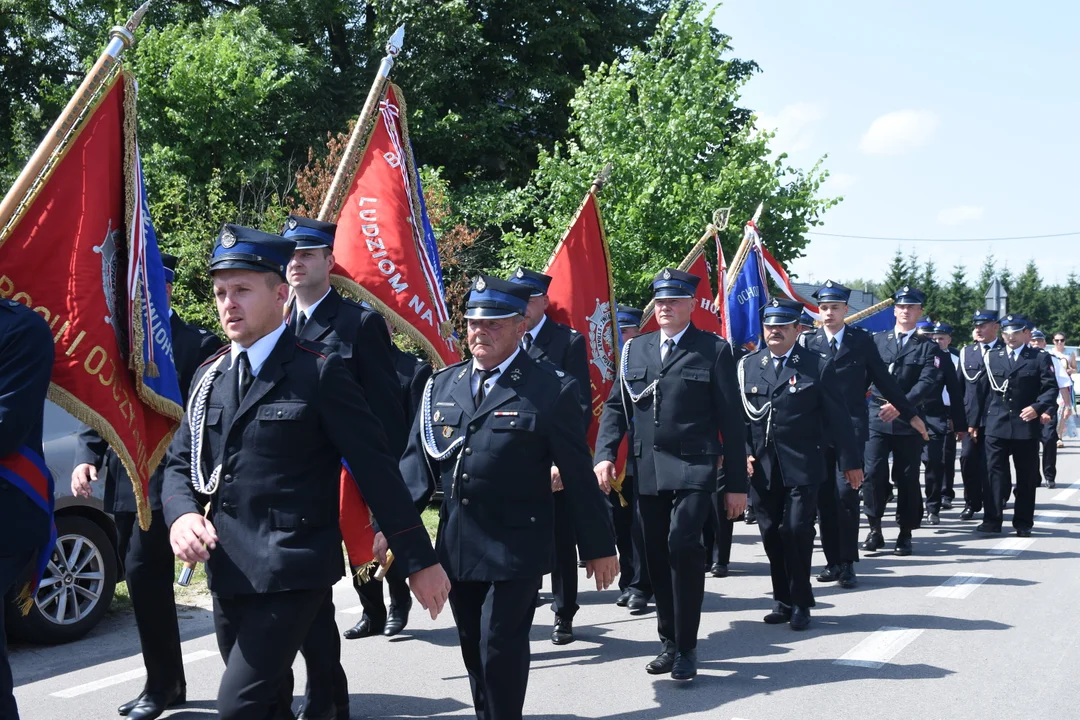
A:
77	586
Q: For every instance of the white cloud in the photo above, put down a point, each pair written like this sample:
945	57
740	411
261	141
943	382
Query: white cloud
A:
795	126
959	215
899	132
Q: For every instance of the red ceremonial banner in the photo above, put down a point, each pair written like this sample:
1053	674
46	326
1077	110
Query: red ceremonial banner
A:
705	315
380	237
65	257
582	296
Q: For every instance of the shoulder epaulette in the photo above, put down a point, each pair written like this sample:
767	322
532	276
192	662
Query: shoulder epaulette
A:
224	349
551	367
448	367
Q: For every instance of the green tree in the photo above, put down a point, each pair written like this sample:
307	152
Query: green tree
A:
1065	310
926	280
897	275
667	119
958	303
986	276
1028	296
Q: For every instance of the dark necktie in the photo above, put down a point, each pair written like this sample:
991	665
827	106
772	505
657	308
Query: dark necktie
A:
481	391
526	342
900	343
833	344
301	322
669	347
778	366
244	371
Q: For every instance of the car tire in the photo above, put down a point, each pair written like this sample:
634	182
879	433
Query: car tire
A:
69	604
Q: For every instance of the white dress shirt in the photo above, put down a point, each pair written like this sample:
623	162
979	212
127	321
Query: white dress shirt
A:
311	308
259	350
474	382
676	337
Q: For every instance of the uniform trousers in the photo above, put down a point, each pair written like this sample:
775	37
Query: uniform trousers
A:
493	621
327	684
1025	457
564	573
973	469
933	457
149	568
786	519
672	523
23	529
642	584
622	518
258	637
949	459
1049	449
717	534
838	505
371	594
906	451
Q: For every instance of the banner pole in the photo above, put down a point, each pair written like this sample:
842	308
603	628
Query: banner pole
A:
24	188
346	170
867	312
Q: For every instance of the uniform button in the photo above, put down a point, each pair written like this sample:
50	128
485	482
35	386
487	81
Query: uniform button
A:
655	447
468	451
657	423
228	478
532	519
303	521
472	428
513	423
279	413
465	477
464	501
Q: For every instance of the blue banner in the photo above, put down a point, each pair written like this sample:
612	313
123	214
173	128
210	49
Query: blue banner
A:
879	321
157	369
745	301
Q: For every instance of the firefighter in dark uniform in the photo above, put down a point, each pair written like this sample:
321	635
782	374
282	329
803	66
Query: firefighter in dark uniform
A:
973	446
1049	439
634	586
320	314
564	347
959	431
269	421
149	565
26	360
914	363
678	387
794	412
945	418
503	416
857	365
1017	387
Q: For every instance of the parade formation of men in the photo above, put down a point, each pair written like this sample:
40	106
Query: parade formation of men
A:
310	380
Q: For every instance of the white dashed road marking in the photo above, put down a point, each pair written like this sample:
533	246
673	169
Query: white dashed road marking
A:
959	586
879	648
1012	546
124	677
1049	517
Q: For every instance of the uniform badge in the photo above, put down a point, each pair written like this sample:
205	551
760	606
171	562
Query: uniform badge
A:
907	289
464	370
937	362
791	383
515	374
764	360
520	273
560	373
667	274
481	285
437	417
794	360
293	223
447	432
228	238
775	303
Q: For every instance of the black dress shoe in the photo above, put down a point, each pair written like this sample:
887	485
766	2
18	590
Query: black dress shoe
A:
365	628
330	714
946	503
903	543
967	513
637	602
719	570
685	665
935	519
396	620
126	707
847	575
1023	532
661	664
151	705
831	573
874	540
750	517
563	634
624	598
781	613
1051	484
985	527
800	618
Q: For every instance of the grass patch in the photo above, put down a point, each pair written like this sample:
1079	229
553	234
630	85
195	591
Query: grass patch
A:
430	517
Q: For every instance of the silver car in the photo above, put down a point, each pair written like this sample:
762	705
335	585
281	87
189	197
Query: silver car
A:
81	576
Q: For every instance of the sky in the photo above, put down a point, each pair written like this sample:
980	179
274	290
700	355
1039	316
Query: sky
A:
952	119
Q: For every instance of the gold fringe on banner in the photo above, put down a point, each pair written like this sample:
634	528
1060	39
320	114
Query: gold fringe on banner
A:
867	312
690	259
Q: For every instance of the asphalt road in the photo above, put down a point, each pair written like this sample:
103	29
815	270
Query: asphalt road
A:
970	626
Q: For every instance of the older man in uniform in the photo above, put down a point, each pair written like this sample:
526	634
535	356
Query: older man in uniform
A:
635	588
857	365
794	411
1017	387
149	565
320	314
973	446
916	366
564	347
26	361
263	438
678	388
490	429
945	418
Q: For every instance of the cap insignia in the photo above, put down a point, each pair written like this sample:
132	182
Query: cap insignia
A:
775	303
667	274
907	289
293	223
481	285
520	273
828	283
228	238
